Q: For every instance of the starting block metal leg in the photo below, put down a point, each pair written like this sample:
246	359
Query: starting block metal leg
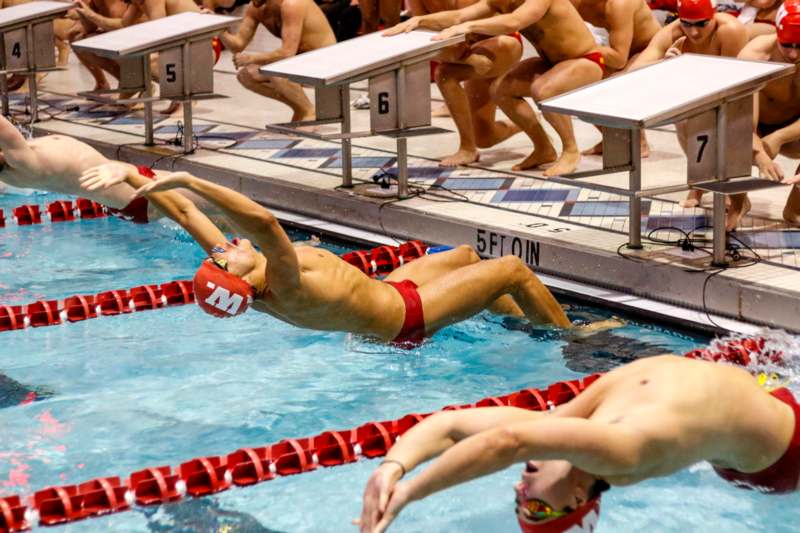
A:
188	129
720	236
635	185
148	105
347	144
402	167
32	82
4	95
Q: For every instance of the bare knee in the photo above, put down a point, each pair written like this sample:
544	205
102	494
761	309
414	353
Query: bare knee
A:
497	90
248	76
516	269
446	73
468	253
542	89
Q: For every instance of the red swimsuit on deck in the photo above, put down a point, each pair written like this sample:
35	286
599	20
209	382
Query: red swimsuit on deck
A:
784	474
136	211
597	57
413	332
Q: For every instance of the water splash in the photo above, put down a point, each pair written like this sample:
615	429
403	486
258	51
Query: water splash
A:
779	354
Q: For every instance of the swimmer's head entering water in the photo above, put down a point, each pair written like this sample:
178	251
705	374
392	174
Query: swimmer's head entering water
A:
554	496
225	284
787	22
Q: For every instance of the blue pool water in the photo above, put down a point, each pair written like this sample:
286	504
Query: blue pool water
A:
151	388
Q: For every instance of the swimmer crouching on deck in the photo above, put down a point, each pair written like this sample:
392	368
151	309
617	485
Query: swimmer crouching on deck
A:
650	418
315	289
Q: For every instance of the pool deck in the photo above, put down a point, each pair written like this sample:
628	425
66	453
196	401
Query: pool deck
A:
560	229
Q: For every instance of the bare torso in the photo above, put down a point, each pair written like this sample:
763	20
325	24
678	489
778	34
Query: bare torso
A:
560	34
712	46
317	32
335	296
645	25
689	411
181	6
110	8
779	100
55	163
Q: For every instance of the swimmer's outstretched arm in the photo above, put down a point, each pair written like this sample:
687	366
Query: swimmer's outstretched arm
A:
527	14
171	203
254	220
13	144
661	42
443	19
597	448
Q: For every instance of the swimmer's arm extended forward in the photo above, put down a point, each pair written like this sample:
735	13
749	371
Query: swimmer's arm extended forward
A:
253	219
171	203
14	145
598	448
529	13
443	19
662	42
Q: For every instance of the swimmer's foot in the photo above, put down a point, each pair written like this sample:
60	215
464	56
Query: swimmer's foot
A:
597	327
567	163
791	211
597	149
462	157
441	111
692	199
739	207
173	107
539	156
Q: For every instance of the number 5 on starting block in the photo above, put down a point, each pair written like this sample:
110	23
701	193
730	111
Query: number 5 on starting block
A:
200	70
390	110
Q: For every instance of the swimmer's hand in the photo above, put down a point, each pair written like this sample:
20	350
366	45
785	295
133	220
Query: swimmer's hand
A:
596	327
794	180
176	180
242	60
767	168
404	27
452	31
676	49
105	176
384	498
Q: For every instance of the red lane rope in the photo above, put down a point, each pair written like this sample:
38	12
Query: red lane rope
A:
202	476
57	211
375	262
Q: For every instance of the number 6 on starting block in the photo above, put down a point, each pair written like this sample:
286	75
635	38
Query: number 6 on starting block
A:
390	110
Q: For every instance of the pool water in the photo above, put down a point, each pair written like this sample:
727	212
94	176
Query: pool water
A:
118	394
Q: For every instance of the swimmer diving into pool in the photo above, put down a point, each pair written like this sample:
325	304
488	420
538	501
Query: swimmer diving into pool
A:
315	289
54	163
650	418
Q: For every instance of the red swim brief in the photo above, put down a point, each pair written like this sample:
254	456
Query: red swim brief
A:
597	57
413	332
784	474
136	211
217	47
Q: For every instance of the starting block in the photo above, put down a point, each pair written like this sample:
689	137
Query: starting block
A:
399	89
714	95
28	45
185	56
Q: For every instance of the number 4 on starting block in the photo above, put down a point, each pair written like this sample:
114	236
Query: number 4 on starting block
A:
400	103
16	49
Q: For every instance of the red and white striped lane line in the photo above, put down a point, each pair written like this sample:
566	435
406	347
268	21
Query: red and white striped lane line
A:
57	211
246	466
375	262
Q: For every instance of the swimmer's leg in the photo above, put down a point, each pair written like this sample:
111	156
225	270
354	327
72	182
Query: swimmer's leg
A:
510	92
285	91
563	77
432	267
467	291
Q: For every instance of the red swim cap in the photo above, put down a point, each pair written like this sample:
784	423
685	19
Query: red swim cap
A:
220	293
583	519
696	9
787	21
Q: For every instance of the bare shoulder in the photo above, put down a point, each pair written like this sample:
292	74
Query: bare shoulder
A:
729	25
758	49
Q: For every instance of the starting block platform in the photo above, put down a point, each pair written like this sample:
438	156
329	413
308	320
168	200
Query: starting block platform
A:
185	58
717	108
28	45
395	67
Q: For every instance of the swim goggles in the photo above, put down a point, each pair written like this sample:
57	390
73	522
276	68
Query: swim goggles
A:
219	262
695	23
537	510
795	46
